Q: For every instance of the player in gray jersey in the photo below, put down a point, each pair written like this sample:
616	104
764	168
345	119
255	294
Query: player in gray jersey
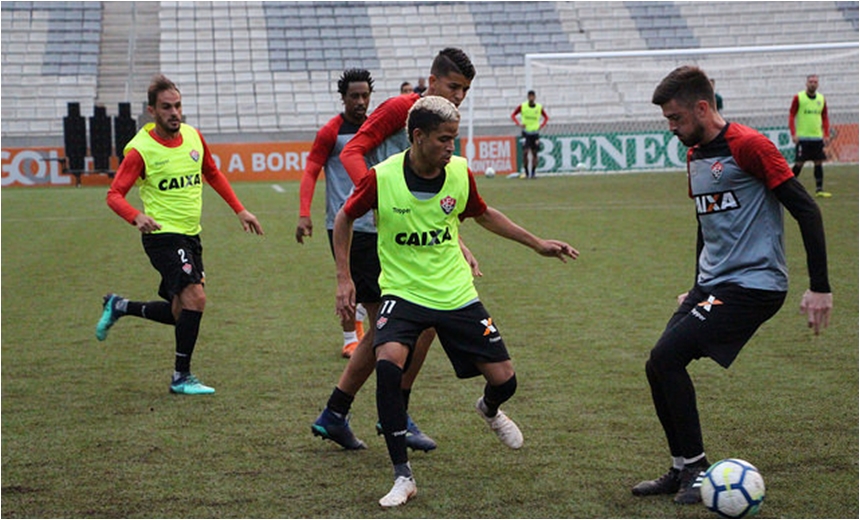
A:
740	183
355	87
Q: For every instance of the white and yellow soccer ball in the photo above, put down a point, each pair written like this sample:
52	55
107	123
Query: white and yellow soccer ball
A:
733	488
490	172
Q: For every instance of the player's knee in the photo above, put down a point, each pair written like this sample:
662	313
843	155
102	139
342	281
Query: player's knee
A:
658	362
196	304
666	358
193	298
650	371
656	371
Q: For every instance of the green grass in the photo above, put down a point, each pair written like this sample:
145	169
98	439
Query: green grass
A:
89	429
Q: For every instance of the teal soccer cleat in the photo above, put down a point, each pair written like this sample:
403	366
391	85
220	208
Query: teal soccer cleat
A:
109	316
190	385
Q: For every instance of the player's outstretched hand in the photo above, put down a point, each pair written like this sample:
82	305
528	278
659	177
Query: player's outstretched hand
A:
249	222
817	307
558	249
304	229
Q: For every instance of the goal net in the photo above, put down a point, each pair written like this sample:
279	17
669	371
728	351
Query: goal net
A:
602	119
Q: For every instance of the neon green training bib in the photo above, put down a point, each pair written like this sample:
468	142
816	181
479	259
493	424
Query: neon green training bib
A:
172	189
419	248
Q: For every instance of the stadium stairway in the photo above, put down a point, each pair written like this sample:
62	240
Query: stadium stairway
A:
129	55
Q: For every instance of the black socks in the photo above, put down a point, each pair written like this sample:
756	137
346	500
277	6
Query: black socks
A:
187	328
158	310
494	396
392	413
340	402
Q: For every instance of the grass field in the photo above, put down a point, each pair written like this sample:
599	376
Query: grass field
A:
89	429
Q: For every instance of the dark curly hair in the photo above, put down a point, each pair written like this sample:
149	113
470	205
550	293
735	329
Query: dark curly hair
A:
452	60
353	75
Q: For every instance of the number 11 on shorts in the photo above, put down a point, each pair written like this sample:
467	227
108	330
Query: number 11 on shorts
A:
387	306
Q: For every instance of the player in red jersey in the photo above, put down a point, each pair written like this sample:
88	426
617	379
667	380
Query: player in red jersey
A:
383	135
168	159
355	87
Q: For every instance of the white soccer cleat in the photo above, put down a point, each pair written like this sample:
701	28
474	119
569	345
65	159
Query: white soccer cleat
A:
506	430
404	488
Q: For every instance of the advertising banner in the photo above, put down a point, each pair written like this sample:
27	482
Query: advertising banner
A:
277	162
659	150
498	153
272	162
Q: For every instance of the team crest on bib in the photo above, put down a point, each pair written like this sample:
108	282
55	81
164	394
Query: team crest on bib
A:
195	155
448	204
717	171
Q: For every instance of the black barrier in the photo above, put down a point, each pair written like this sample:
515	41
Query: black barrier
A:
124	128
75	139
103	136
101	144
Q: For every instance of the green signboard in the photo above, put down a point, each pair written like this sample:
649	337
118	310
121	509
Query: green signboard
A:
627	151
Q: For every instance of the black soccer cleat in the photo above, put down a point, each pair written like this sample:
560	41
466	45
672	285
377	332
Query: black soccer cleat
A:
668	484
690	491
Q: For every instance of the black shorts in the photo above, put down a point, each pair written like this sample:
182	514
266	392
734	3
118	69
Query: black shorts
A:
179	259
809	150
532	141
717	323
364	266
468	335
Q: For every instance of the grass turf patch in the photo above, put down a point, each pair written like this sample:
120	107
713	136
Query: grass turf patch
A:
89	429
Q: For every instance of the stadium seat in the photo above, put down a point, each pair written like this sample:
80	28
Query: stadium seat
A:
285	57
55	40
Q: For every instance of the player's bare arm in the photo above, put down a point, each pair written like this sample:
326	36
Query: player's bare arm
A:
497	222
470	259
342	240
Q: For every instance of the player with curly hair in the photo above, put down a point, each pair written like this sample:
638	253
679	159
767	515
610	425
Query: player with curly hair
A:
355	87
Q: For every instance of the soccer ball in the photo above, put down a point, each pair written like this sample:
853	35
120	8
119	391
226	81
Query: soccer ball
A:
489	172
733	488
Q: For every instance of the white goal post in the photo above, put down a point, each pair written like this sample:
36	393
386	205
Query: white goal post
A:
602	119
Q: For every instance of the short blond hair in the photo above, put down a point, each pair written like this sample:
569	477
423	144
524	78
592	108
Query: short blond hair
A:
429	112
